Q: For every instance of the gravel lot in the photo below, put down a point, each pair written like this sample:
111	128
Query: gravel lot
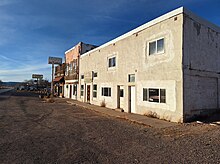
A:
34	131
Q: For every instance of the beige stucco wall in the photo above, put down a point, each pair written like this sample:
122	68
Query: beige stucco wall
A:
155	71
201	66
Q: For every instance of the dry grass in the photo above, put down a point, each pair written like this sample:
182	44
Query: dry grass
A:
103	104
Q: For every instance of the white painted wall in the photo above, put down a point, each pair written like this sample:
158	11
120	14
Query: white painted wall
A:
201	67
164	70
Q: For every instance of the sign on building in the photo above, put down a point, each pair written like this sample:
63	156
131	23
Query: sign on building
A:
37	76
88	77
54	60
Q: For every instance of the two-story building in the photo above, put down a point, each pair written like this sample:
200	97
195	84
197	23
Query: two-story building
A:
72	68
168	68
59	80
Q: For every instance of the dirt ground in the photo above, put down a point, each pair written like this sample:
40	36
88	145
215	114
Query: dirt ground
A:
35	131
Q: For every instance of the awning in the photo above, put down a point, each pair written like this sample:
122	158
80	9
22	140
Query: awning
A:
57	79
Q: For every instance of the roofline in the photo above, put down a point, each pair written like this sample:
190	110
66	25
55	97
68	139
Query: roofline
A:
201	20
161	18
72	48
140	28
76	45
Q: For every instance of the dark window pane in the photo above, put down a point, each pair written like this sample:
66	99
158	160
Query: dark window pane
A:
152	48
160	45
94	94
131	78
154	95
162	95
95	74
109	62
109	92
144	94
105	91
94	87
113	62
121	92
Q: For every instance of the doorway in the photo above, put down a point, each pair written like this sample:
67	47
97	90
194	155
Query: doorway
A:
75	91
70	91
88	93
131	99
120	97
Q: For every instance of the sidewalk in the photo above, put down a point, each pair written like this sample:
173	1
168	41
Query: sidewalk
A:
140	119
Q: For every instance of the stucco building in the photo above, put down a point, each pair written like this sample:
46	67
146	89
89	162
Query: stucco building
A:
168	67
72	68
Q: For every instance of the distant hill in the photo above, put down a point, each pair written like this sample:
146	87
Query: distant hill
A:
11	84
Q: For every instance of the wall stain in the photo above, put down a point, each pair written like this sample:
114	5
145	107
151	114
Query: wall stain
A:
197	26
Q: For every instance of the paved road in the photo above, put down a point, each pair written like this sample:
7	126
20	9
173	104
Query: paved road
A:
5	90
34	131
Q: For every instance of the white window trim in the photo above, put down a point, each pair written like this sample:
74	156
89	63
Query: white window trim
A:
116	61
155	40
134	78
82	90
108	88
96	91
151	102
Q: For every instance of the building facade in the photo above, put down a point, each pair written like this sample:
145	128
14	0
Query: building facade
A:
59	80
72	68
168	68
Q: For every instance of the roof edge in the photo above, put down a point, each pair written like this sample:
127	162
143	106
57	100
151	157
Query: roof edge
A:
201	20
140	28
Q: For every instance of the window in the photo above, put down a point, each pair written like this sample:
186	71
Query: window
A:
131	78
156	47
81	90
112	62
67	70
106	91
82	76
71	67
95	90
154	95
95	74
145	94
74	90
75	64
162	95
121	92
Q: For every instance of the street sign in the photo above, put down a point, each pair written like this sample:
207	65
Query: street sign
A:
37	76
54	60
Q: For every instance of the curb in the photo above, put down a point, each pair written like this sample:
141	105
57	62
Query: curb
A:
118	117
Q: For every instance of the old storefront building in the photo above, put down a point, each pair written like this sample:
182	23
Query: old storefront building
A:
168	67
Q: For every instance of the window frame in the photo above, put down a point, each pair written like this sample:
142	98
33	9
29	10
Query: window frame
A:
121	92
129	78
95	74
94	91
115	63
146	95
82	90
156	47
103	91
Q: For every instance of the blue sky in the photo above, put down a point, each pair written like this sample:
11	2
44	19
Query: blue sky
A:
33	30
